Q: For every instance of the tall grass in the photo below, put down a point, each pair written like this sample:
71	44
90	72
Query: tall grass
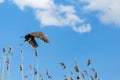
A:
76	73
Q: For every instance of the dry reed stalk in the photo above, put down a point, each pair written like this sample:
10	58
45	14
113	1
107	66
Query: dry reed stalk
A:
63	65
95	75
21	66
76	68
36	54
30	67
86	73
21	70
8	61
89	62
48	75
40	77
35	71
31	75
8	68
3	62
10	49
92	69
78	77
83	76
71	78
66	78
91	78
4	51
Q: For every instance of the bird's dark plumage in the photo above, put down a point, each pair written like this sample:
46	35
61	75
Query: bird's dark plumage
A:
31	38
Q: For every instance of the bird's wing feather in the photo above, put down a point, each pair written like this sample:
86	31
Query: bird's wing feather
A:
33	42
40	35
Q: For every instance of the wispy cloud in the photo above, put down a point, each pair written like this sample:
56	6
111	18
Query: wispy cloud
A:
108	10
84	28
60	16
50	13
1	1
34	4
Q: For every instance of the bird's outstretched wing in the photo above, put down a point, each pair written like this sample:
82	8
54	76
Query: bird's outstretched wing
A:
33	42
40	35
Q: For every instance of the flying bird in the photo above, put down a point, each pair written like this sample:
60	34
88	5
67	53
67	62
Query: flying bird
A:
31	38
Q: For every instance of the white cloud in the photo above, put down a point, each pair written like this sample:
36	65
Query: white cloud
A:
47	18
52	14
109	10
60	16
84	28
35	4
1	1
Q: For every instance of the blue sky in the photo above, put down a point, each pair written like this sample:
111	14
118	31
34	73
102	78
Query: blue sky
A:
77	30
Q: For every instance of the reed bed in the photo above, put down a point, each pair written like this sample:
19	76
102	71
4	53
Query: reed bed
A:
76	73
